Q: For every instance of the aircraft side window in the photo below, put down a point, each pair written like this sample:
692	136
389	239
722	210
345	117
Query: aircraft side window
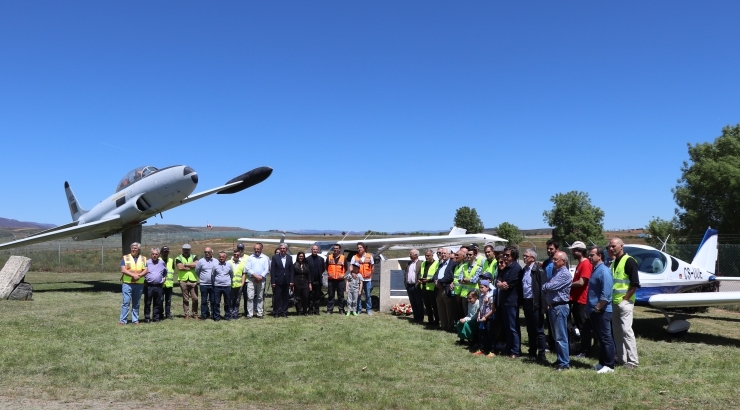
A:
674	264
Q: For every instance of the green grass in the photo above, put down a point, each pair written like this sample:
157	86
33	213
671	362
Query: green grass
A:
65	349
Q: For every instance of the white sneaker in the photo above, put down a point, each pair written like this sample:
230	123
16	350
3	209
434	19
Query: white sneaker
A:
605	369
597	367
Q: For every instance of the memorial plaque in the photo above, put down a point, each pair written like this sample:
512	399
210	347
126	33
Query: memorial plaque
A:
398	285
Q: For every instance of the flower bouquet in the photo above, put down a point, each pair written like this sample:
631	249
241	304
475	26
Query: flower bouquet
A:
402	309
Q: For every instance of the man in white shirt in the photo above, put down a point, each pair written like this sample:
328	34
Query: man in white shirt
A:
257	269
411	281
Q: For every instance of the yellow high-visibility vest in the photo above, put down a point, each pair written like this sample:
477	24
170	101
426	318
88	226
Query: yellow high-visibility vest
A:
136	265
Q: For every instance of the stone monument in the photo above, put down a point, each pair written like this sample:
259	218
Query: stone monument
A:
12	285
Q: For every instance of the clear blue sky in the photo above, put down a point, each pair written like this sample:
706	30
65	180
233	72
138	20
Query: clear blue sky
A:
374	115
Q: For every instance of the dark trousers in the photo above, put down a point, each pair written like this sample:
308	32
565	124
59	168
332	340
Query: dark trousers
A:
219	291
417	304
235	299
153	295
602	328
280	296
510	316
335	285
484	335
206	300
429	299
461	308
583	323
301	293
535	322
315	296
167	292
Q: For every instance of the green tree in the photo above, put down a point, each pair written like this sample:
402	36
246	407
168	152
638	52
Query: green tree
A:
658	230
708	192
468	219
573	218
510	232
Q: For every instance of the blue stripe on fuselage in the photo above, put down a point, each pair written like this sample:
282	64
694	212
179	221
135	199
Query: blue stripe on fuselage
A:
642	296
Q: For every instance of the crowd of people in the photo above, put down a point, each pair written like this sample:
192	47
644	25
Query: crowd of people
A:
475	296
479	298
230	279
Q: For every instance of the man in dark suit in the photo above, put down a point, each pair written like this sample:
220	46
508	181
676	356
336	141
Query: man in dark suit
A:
443	282
281	270
507	283
411	280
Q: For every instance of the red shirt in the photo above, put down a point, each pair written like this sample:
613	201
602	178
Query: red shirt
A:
583	270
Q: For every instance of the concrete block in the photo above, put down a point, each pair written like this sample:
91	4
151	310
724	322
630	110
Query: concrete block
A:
391	291
13	272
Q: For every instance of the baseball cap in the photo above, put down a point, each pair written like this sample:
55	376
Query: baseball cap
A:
165	249
240	246
186	246
578	245
485	283
486	275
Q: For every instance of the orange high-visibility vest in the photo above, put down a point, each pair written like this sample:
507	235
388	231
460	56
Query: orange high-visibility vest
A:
366	265
335	269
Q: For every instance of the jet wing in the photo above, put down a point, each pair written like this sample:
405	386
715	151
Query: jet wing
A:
235	185
289	242
56	228
421	242
698	299
55	233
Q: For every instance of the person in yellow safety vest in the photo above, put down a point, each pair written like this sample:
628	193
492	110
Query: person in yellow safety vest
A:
490	264
169	281
367	264
478	256
239	266
468	279
188	281
429	268
626	281
133	270
336	267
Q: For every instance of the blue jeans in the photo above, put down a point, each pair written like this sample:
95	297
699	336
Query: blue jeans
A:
511	329
601	324
206	299
367	287
559	324
131	293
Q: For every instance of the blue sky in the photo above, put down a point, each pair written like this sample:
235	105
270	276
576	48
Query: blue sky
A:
374	115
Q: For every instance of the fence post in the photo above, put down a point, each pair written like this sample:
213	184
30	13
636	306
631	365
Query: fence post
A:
60	255
102	256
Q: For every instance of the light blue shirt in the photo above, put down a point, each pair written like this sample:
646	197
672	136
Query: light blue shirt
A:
527	283
223	274
204	270
600	288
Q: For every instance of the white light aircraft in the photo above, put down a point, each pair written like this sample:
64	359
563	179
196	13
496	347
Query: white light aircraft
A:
141	194
664	280
377	246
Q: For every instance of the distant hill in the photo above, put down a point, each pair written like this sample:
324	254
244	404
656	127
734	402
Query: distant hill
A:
12	223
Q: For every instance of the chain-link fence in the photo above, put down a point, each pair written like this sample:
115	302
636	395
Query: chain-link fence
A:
104	255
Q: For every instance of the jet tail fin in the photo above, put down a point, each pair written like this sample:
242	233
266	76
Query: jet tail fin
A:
457	231
706	256
74	205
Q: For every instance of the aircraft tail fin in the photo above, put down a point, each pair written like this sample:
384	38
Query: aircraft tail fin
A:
457	231
74	205
706	256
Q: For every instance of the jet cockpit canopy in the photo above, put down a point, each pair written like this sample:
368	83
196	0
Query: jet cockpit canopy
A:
135	175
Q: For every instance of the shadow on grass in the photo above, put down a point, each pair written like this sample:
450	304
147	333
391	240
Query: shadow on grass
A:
654	329
84	286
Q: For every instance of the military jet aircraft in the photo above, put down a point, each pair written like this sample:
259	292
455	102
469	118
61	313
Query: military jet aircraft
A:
142	193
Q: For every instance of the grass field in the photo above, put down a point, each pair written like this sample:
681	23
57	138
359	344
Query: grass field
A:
65	350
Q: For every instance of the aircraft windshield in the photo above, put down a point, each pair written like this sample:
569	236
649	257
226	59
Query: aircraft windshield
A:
135	175
648	260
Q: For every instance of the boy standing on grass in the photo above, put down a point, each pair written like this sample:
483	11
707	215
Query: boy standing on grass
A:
485	313
353	288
